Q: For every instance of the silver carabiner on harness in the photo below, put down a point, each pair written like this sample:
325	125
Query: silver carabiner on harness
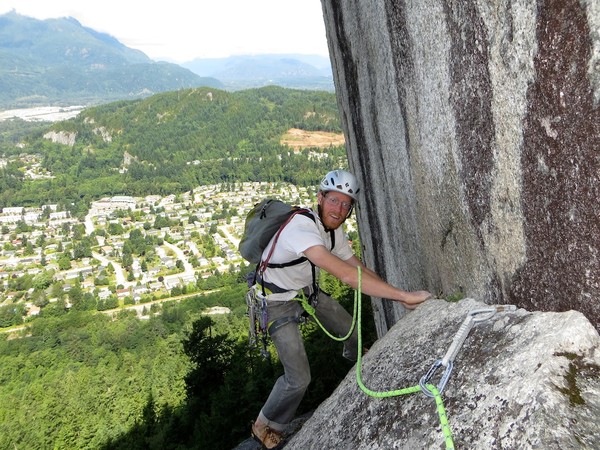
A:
473	317
258	320
251	312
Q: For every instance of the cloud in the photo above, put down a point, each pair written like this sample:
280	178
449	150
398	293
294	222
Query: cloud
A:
181	30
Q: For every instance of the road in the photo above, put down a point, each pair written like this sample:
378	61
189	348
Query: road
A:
119	272
138	308
188	269
89	225
228	235
121	279
120	275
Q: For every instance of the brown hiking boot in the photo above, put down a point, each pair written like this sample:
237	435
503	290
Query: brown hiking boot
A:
267	437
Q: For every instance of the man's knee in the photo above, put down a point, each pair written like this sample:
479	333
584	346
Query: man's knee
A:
299	379
303	381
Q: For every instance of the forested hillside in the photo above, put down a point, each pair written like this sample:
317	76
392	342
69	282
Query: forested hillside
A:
180	380
78	379
170	143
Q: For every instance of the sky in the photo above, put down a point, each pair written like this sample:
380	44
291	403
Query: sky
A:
182	30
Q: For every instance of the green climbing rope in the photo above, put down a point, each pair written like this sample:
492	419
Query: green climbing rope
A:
356	321
410	390
311	311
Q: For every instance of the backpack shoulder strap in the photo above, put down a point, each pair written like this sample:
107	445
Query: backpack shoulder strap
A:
265	263
307	213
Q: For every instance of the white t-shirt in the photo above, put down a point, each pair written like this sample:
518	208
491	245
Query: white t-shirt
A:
298	235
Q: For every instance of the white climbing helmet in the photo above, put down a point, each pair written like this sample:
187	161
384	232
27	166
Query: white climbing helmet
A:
341	181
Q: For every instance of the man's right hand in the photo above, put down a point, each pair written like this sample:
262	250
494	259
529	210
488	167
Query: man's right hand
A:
413	299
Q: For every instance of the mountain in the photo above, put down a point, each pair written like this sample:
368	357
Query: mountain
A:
61	62
287	70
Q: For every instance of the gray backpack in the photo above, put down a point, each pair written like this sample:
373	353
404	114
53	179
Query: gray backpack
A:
262	222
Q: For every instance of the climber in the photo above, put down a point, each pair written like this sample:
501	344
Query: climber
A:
321	241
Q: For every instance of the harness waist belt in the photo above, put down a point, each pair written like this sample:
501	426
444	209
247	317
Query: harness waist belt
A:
271	286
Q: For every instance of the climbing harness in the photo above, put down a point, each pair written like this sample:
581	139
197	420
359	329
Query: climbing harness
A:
256	299
260	328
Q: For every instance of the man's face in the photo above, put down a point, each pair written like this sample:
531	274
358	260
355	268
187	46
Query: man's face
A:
335	207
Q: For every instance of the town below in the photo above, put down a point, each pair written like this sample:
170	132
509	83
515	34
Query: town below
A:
127	251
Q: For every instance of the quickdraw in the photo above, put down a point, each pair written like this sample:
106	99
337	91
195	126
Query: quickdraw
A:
424	386
473	317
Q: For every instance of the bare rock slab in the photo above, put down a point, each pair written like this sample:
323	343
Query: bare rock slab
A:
520	380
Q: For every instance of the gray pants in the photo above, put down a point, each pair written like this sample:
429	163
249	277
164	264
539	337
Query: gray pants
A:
289	388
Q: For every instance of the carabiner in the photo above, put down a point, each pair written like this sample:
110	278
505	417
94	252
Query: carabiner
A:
443	380
481	315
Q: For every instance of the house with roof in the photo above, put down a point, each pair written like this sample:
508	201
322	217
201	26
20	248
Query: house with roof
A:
122	293
103	293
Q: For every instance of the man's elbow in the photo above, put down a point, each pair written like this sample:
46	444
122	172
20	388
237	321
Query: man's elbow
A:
348	277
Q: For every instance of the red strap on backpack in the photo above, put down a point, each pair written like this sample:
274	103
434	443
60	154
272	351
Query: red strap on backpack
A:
265	262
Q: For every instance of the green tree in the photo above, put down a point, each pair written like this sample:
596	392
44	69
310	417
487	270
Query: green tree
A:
29	250
115	229
56	290
75	295
83	248
64	262
11	315
22	227
210	353
43	280
78	231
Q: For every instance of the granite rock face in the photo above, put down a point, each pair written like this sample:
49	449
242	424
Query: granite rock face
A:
475	130
520	380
